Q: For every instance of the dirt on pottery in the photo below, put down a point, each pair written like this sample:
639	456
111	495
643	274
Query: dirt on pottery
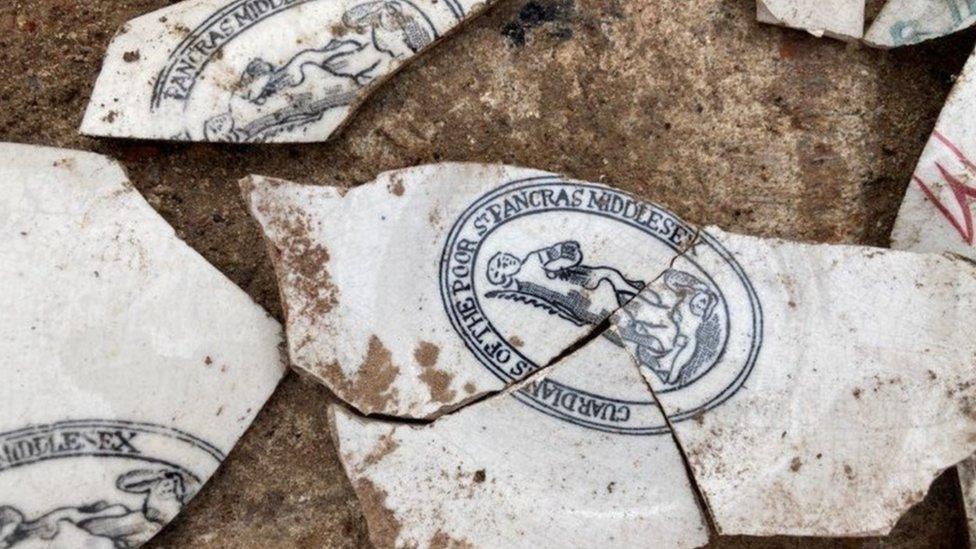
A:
689	103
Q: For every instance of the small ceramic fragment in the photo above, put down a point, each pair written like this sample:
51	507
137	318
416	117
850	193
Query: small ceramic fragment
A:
818	390
937	212
251	71
906	22
967	482
500	474
130	365
841	19
434	285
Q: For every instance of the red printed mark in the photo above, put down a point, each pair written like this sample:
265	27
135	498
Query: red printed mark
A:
962	192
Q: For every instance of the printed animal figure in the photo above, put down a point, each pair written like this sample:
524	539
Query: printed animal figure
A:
671	328
667	327
556	279
101	525
268	99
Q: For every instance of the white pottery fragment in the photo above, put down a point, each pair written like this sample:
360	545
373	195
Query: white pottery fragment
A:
500	474
906	22
937	212
258	70
434	285
131	366
842	387
840	19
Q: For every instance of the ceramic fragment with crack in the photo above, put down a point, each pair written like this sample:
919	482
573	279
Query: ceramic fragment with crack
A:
435	285
258	70
500	474
131	366
937	211
906	22
820	389
841	19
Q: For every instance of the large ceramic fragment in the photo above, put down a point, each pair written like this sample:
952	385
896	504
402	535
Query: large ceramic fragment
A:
258	70
937	211
501	474
435	285
841	19
130	365
905	22
818	389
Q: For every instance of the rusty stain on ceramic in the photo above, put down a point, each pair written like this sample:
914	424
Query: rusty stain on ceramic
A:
780	366
499	474
439	284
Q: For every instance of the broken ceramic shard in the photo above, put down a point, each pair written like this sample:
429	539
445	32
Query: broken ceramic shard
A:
438	284
258	71
841	19
131	366
824	387
967	482
499	474
937	211
781	367
905	22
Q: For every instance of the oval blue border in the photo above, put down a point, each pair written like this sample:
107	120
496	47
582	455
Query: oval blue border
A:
717	400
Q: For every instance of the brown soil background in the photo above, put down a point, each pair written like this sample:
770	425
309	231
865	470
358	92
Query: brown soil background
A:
690	103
